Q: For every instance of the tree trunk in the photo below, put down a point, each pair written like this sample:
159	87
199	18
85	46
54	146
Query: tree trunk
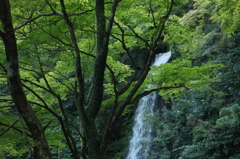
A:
41	148
91	134
103	33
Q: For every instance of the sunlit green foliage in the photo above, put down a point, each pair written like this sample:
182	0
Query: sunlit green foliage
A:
120	70
203	123
225	13
47	69
174	74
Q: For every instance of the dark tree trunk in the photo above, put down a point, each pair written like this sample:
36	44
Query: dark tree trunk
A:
103	33
41	148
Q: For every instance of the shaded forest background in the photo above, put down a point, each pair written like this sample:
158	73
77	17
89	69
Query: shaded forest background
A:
201	117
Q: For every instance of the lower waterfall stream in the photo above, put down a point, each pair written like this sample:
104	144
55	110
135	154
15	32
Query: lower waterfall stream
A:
140	142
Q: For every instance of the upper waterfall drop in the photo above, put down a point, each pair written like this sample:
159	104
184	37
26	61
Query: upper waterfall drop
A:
162	58
142	129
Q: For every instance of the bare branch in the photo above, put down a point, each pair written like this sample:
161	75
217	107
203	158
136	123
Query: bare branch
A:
24	133
114	80
48	3
111	18
45	127
31	70
26	80
50	34
8	106
44	77
47	108
80	134
54	12
152	14
38	16
84	12
4	68
123	43
5	100
137	69
79	75
89	94
66	133
17	129
130	82
162	26
83	146
139	96
42	100
9	127
139	37
70	89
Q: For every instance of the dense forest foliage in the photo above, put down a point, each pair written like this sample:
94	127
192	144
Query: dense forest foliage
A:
71	73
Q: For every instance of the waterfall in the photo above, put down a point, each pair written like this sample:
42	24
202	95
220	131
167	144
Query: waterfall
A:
140	141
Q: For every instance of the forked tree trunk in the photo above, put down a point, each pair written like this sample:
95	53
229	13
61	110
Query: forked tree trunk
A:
41	148
103	33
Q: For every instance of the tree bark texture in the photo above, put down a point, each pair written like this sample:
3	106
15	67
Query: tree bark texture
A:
41	148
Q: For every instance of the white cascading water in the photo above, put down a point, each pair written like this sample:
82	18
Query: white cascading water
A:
140	141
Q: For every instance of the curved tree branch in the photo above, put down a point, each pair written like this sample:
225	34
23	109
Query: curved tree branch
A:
14	128
38	16
139	37
144	93
9	127
162	26
4	68
24	133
